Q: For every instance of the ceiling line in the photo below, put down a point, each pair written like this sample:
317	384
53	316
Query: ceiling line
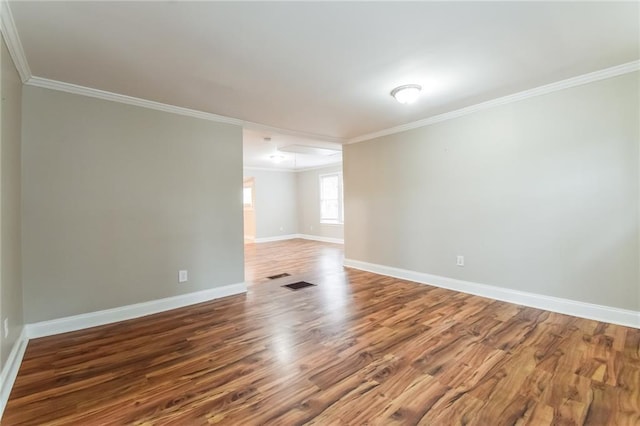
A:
14	45
250	125
290	170
269	169
131	100
529	93
16	50
46	83
8	28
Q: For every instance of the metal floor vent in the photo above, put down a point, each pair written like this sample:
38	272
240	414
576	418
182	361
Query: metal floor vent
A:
298	285
274	277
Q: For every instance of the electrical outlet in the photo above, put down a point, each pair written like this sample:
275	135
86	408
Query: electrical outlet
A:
460	261
183	276
6	328
310	227
281	228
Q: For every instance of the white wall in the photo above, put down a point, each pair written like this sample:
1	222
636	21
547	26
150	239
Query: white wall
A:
275	202
308	190
288	203
118	198
540	195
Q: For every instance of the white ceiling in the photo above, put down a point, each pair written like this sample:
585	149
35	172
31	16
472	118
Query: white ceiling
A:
322	68
257	151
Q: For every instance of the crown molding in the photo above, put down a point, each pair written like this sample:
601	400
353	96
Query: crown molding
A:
268	169
144	103
129	100
541	90
8	28
324	166
303	135
14	45
291	170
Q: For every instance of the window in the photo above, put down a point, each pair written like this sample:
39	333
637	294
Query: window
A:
247	196
331	209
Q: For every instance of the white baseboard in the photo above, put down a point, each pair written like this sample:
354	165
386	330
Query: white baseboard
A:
107	316
303	236
549	303
276	238
323	239
11	367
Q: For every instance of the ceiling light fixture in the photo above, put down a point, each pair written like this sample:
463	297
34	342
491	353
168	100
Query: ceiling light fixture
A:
277	158
406	94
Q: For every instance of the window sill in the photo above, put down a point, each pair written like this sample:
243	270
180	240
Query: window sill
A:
331	222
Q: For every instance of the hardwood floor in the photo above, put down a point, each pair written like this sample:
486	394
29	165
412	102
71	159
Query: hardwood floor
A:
358	348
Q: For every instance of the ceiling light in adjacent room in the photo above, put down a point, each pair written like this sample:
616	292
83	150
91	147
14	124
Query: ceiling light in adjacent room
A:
406	94
277	158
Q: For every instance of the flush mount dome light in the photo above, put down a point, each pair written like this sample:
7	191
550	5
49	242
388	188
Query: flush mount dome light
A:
277	158
406	94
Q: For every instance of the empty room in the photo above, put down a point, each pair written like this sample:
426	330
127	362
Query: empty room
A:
323	213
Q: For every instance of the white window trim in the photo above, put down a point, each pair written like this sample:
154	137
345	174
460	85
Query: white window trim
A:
340	220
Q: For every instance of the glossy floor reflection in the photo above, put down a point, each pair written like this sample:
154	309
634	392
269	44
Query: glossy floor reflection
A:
358	348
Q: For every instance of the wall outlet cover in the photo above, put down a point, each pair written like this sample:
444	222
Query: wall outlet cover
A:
6	328
183	276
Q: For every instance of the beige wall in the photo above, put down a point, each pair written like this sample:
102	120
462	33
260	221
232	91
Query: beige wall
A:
308	187
275	202
10	279
539	195
289	203
117	199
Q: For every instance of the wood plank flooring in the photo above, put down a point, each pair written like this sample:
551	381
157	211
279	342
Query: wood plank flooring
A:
357	349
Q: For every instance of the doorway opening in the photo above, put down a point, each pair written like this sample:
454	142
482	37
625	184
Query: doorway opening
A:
249	213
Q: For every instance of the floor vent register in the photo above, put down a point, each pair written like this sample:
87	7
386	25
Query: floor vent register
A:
275	277
298	285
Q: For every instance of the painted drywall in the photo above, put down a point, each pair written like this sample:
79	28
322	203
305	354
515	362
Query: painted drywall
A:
308	187
275	202
539	195
10	216
118	198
